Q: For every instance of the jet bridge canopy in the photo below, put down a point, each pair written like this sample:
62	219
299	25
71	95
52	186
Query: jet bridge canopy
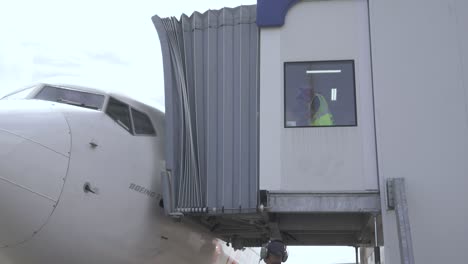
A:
210	75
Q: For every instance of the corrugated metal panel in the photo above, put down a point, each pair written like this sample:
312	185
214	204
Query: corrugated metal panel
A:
210	74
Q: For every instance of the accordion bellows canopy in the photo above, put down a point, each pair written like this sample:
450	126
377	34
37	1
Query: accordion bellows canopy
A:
211	90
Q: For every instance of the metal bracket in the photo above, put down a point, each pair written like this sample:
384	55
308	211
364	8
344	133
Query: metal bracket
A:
390	195
177	217
167	192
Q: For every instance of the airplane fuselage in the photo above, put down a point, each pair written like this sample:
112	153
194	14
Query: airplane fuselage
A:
80	183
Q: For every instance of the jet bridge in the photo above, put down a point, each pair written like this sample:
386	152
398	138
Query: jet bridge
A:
308	120
244	157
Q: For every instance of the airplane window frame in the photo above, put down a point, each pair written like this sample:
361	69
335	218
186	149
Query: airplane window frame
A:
148	121
99	97
130	128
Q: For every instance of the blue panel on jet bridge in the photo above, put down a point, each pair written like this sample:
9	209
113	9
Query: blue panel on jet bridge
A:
271	13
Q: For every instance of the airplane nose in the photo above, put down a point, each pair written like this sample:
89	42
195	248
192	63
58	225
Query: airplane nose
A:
34	157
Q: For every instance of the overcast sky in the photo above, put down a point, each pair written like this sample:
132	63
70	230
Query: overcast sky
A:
104	44
108	44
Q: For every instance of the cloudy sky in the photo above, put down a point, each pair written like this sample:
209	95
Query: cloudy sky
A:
104	44
109	44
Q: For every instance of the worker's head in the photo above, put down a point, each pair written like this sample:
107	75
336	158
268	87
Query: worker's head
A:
274	252
306	90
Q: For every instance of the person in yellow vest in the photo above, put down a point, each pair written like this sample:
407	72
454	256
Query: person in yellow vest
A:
320	114
312	108
316	110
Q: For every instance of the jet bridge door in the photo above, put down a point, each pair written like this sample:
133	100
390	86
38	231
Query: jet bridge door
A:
211	92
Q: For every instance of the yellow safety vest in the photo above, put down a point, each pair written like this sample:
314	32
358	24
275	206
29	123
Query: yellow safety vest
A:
322	117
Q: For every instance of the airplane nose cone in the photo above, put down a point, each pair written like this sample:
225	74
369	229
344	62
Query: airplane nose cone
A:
34	156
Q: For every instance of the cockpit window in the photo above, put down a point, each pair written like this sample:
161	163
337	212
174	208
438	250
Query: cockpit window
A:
142	123
71	97
120	112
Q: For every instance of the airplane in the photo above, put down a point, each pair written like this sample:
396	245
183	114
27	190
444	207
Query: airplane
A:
80	183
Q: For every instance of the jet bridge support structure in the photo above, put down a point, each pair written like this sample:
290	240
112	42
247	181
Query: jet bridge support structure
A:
396	200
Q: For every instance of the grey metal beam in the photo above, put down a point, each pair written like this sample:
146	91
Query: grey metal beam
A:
323	240
353	222
310	241
342	202
396	197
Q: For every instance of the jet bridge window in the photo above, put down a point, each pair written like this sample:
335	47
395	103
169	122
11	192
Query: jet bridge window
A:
319	94
142	123
71	97
120	112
